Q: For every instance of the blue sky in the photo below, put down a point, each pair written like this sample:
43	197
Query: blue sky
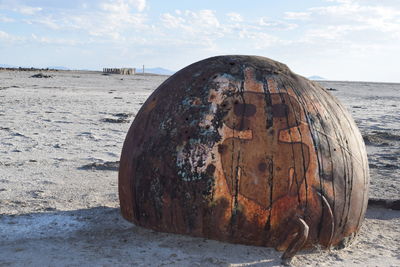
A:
336	39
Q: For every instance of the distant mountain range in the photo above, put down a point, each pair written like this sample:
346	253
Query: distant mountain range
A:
6	66
50	67
316	78
58	68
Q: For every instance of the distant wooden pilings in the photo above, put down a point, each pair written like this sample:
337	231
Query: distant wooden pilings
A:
123	71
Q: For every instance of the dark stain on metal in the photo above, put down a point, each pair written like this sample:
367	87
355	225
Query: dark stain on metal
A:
243	109
279	110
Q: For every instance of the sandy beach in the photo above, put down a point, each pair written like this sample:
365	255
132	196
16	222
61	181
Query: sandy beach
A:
60	142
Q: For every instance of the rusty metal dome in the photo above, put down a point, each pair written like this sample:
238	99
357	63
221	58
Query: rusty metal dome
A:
241	149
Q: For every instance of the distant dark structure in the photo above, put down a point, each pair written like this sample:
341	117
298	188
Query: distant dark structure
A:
241	149
123	71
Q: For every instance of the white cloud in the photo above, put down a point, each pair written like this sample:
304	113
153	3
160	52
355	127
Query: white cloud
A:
27	10
123	6
8	38
191	22
106	19
297	15
56	41
4	35
140	4
204	29
236	17
48	21
348	19
332	33
341	1
276	25
171	21
109	21
203	18
6	19
16	6
260	40
197	29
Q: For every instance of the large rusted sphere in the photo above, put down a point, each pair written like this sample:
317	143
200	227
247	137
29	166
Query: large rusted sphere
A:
241	149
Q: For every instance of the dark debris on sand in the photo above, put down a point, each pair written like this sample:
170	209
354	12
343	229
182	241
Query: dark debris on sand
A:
385	203
105	166
123	115
7	87
120	118
384	166
41	75
112	120
377	138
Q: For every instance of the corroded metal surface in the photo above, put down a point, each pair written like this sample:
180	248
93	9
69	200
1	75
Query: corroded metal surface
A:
240	149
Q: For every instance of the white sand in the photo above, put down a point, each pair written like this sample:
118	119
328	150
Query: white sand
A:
53	212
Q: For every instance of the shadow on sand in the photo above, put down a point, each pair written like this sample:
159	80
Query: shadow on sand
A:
100	236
